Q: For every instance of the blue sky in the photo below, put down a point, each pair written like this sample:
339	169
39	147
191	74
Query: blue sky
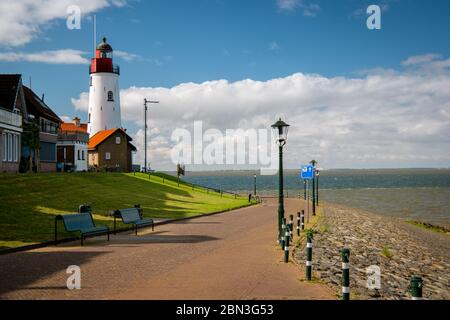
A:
170	42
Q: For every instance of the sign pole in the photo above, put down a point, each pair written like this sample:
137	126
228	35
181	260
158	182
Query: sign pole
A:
307	202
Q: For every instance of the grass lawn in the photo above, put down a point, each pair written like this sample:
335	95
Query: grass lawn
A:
29	203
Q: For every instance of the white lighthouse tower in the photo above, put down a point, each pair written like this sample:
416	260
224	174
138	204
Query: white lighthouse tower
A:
104	99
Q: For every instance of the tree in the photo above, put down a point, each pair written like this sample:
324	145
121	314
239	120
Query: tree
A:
30	139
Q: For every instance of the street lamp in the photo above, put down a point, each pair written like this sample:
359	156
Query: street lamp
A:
254	184
317	186
313	163
281	129
145	133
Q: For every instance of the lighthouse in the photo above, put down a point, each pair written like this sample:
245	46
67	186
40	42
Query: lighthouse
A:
104	99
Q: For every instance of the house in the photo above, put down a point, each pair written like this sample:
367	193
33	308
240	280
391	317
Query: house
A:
72	146
12	111
40	115
111	150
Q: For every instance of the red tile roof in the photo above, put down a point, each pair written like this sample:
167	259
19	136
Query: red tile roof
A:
101	136
72	127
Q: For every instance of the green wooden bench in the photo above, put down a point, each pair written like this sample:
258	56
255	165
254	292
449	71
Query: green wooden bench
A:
81	222
132	216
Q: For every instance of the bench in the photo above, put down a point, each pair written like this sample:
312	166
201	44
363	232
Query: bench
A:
132	216
81	222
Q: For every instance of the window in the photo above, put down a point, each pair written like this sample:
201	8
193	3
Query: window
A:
48	126
10	147
82	154
16	148
117	140
48	151
110	96
90	81
89	120
79	155
108	156
5	147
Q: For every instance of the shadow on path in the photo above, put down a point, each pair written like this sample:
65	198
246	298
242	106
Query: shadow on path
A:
152	238
19	270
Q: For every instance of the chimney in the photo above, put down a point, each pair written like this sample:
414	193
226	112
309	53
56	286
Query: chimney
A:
76	120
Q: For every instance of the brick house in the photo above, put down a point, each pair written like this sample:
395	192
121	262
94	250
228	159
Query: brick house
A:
44	159
111	150
72	147
12	111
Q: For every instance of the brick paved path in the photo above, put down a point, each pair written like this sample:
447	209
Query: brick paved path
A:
226	256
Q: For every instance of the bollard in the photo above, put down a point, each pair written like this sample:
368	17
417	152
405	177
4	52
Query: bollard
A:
303	219
281	241
345	254
283	231
309	246
288	237
416	288
298	224
286	248
291	227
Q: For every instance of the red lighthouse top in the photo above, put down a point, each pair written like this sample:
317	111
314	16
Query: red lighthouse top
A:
103	60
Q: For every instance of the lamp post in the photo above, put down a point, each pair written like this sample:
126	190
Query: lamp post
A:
281	129
145	131
317	186
314	163
254	184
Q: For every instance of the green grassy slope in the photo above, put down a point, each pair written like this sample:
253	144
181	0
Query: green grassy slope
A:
29	203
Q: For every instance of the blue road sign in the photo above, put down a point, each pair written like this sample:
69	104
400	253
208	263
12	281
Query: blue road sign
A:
307	172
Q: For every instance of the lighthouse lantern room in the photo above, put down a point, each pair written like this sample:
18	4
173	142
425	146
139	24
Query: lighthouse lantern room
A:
104	99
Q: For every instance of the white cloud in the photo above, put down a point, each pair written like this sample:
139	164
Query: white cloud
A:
428	63
22	20
63	56
414	60
381	119
127	56
308	8
82	102
274	46
65	118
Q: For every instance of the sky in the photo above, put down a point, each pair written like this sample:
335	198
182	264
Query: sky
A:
354	97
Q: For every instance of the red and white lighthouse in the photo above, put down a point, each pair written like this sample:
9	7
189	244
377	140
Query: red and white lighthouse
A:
104	99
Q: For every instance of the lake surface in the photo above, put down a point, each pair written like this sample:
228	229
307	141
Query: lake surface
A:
412	194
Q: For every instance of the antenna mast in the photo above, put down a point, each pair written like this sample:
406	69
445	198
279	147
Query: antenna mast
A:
95	32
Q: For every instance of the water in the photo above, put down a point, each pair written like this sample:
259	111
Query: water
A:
411	194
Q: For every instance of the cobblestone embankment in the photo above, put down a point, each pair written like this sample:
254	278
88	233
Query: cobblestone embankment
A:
399	249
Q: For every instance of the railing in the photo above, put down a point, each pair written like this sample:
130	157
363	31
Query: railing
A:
115	69
11	118
194	186
73	136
